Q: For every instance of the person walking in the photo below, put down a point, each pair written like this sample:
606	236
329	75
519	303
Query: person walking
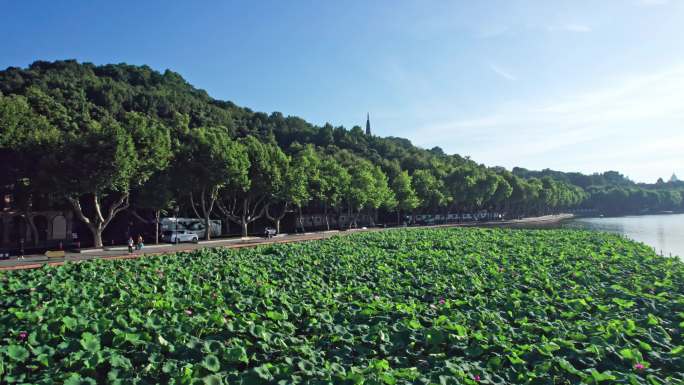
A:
130	245
140	242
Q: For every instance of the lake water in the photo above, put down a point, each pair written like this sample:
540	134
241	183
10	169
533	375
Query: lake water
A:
663	232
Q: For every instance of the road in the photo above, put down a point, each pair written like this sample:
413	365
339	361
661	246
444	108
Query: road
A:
121	252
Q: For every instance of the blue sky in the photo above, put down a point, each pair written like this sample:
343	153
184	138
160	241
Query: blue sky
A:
571	85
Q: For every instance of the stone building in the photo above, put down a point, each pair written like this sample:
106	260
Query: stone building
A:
38	229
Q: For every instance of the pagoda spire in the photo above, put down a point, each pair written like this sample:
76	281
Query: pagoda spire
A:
368	130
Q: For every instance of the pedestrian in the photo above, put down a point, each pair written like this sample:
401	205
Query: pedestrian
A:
130	244
140	242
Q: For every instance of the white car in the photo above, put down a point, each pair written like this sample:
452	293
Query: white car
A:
178	236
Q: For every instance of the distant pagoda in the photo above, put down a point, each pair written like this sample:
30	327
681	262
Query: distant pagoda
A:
368	130
673	178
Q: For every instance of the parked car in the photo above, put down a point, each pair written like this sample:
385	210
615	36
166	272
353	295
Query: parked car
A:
269	232
177	236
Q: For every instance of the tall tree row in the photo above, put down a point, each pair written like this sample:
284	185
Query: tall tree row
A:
103	140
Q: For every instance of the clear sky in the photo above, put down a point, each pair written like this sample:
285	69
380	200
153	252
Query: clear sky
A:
570	85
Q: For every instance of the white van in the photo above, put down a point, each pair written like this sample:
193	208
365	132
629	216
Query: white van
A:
192	225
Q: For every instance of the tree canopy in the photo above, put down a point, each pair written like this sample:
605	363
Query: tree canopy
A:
94	137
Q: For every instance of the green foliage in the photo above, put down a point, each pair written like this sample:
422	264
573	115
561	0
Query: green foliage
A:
430	190
152	141
211	160
362	191
302	177
332	182
406	196
101	159
20	127
93	135
434	306
613	193
267	164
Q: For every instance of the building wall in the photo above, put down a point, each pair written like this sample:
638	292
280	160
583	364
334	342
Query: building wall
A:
51	228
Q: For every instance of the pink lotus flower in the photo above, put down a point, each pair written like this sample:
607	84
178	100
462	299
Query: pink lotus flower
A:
23	336
639	366
476	378
188	312
442	301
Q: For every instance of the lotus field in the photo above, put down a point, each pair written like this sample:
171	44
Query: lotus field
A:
437	306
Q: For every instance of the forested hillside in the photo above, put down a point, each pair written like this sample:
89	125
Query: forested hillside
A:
104	139
613	194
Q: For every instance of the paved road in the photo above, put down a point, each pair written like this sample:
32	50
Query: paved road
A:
35	261
121	252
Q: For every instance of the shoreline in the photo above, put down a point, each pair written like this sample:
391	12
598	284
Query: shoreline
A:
117	253
630	215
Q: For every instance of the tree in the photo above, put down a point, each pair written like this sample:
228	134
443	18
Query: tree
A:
330	186
209	162
156	195
103	164
94	172
534	196
246	203
407	198
24	139
298	184
471	186
367	188
102	112
381	195
430	190
501	194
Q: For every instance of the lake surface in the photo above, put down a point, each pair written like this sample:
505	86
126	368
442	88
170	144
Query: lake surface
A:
663	232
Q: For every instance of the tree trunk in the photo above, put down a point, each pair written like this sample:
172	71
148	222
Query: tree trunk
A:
32	228
100	222
207	227
276	220
157	214
356	217
398	217
352	221
325	214
244	224
97	235
207	207
249	214
301	221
